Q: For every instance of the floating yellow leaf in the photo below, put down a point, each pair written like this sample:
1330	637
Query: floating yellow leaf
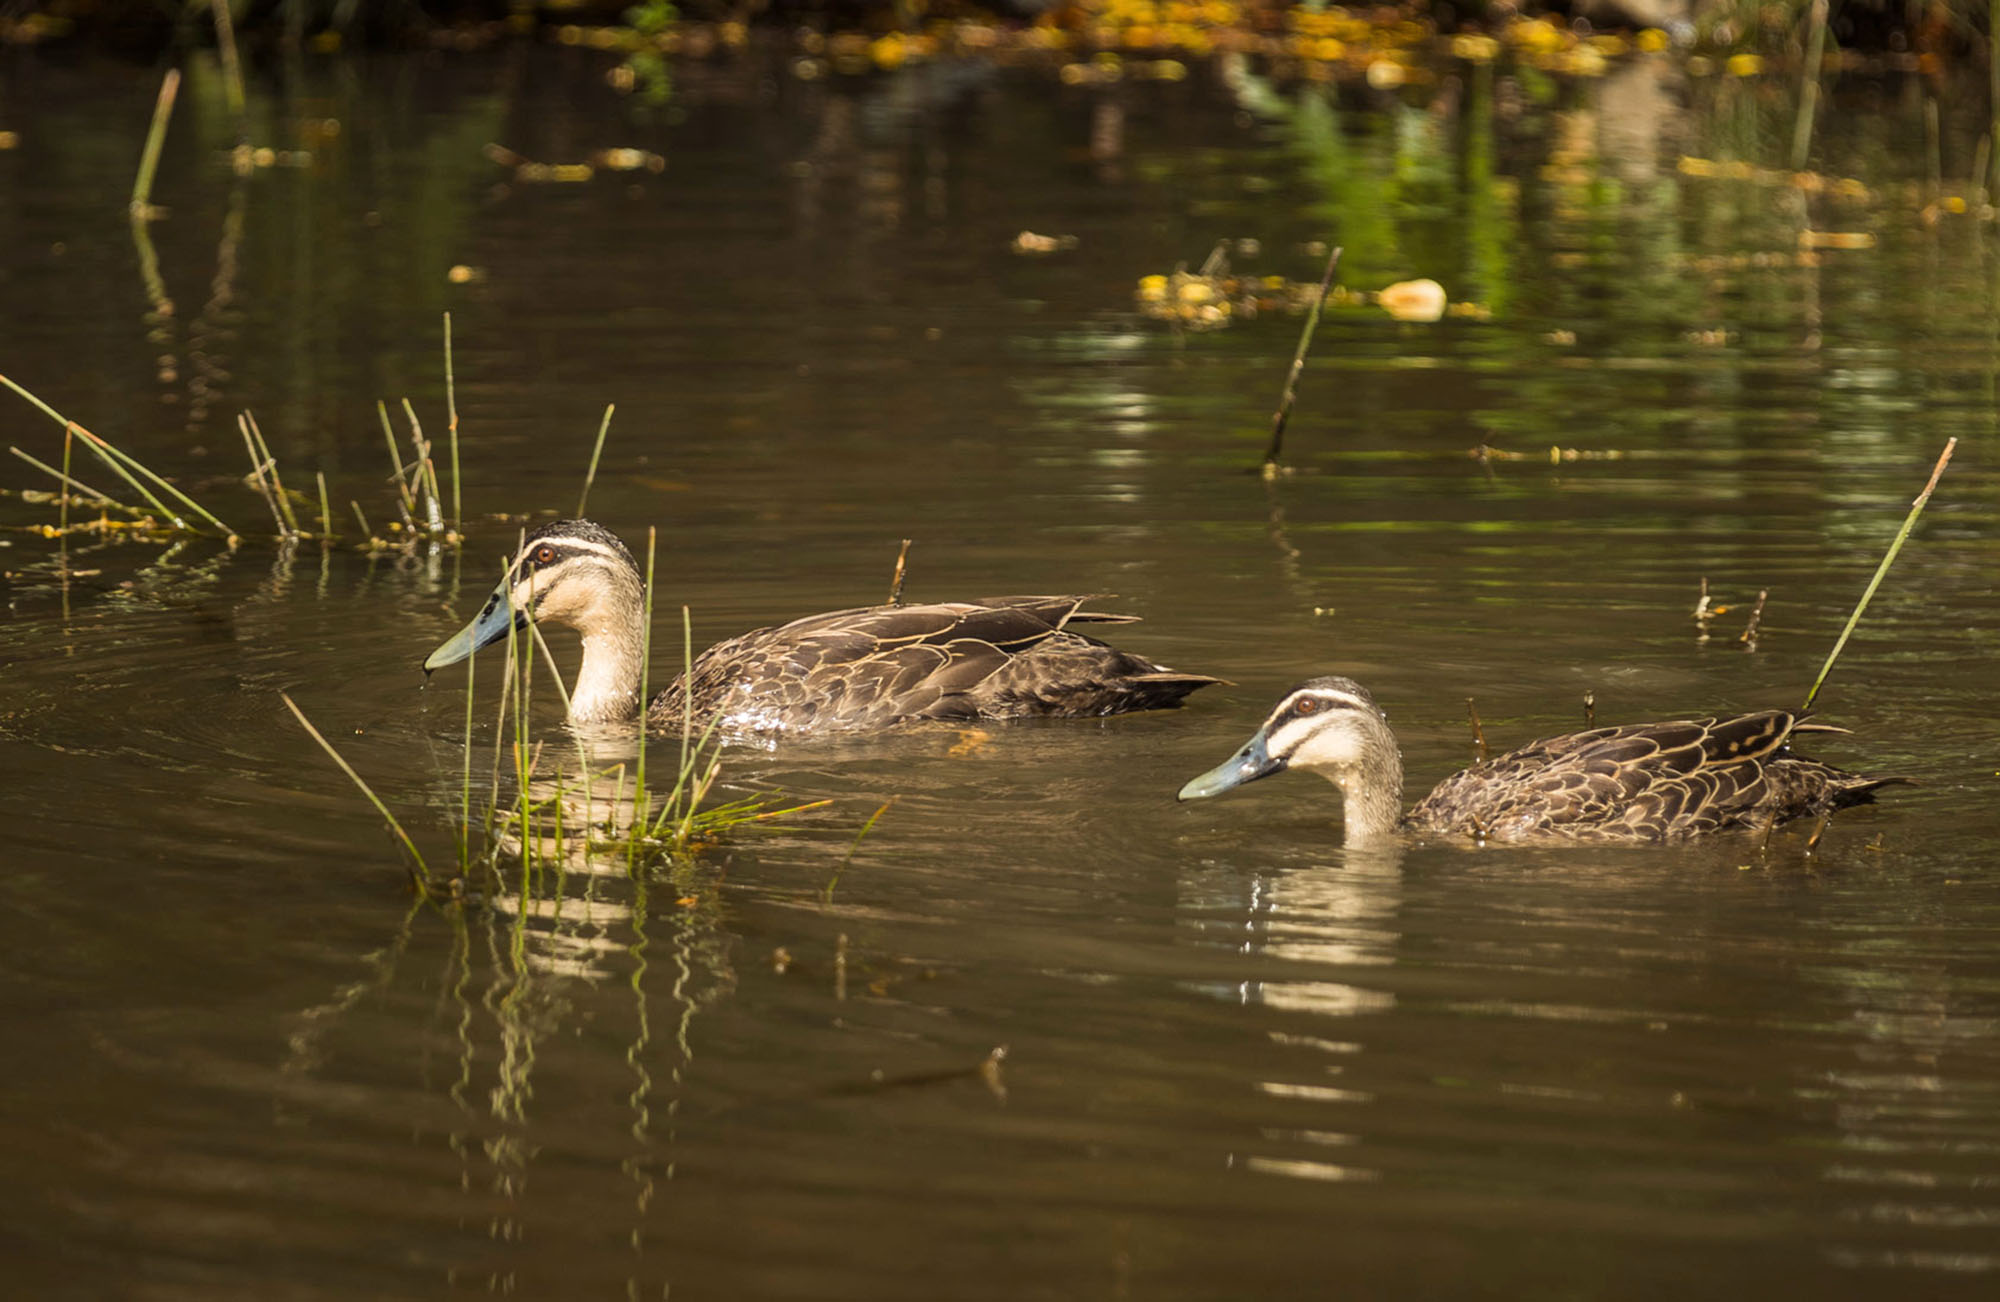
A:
1474	48
1836	240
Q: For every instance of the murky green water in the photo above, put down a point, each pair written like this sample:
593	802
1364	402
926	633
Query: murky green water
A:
1240	1061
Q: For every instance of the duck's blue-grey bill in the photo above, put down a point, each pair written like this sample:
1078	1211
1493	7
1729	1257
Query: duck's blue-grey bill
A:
1247	765
487	627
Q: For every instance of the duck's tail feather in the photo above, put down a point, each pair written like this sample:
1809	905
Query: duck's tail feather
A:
1165	687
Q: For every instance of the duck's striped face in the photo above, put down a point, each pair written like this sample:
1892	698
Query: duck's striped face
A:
571	572
1327	724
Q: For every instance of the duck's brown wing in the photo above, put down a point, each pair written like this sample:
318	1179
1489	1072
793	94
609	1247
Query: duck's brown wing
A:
878	665
1643	782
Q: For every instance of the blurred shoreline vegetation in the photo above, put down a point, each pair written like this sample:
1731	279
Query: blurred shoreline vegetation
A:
1313	40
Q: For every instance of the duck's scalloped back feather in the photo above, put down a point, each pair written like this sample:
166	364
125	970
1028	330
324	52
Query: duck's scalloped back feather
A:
850	670
1644	782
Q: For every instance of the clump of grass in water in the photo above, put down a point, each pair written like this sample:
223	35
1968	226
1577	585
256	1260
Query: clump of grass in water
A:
156	510
539	825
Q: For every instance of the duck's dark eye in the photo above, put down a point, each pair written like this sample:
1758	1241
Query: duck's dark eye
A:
1305	705
543	555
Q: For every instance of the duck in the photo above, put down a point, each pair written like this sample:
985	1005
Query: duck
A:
857	670
1640	783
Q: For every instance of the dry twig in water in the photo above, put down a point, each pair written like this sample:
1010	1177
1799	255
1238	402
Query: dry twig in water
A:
896	583
1283	415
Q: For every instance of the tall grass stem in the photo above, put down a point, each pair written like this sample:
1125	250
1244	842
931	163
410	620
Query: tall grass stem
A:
426	471
1909	523
590	476
232	62
841	867
77	484
156	137
451	429
291	520
1802	127
422	873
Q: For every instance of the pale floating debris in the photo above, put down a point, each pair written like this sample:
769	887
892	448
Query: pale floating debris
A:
527	170
1556	455
629	160
1030	242
460	274
1413	300
1840	187
1386	74
245	159
1836	240
9	139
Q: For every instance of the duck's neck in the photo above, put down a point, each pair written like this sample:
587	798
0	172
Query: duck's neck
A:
607	687
1371	792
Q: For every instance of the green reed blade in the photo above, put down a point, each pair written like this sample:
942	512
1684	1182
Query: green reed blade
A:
115	457
426	471
451	427
465	776
47	469
104	455
69	445
1802	125
1909	523
422	874
396	460
257	479
277	481
640	809
590	476
827	892
549	658
156	137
